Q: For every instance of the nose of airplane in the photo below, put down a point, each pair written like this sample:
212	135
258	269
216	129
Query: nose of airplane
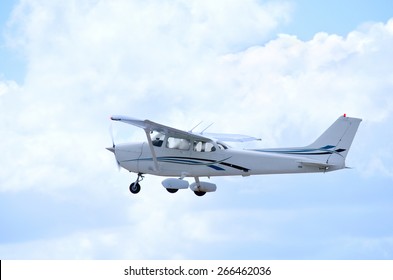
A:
112	149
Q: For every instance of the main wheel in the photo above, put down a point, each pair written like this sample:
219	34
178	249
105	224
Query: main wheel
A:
172	190
198	193
135	188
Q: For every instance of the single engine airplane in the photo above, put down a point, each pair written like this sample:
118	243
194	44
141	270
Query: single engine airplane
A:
171	152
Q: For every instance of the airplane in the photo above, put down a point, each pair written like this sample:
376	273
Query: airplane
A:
180	154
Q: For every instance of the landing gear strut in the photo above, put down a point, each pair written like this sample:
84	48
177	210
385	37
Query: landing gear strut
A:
196	187
136	187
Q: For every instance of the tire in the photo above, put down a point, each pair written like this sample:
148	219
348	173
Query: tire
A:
134	189
172	190
198	193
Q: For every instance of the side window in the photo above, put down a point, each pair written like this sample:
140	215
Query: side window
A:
178	143
197	146
158	139
210	147
222	146
200	146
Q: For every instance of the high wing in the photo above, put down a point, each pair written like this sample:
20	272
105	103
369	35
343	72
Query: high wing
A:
231	137
148	125
153	126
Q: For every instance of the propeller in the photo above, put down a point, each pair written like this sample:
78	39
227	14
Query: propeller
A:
113	148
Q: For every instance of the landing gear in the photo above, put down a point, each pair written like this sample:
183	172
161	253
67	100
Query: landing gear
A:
196	187
135	187
173	185
199	193
172	190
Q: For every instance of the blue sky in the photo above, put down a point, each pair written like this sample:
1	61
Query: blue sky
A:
337	17
279	70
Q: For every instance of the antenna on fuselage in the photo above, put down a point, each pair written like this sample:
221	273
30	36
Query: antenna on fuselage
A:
207	127
196	126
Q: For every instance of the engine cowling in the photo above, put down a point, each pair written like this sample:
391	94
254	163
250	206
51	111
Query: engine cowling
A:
203	187
174	183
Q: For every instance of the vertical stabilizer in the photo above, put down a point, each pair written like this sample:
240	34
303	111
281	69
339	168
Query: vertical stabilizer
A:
330	149
333	145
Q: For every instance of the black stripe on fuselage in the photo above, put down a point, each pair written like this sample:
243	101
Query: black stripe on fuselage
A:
210	162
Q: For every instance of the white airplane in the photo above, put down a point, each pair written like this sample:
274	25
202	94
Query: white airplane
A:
171	152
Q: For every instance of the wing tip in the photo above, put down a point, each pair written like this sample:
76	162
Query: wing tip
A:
115	118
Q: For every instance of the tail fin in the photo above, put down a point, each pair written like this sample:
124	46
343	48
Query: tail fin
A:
333	145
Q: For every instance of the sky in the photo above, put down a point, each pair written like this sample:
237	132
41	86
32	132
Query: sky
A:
279	70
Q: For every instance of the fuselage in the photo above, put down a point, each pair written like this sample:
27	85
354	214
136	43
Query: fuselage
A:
215	159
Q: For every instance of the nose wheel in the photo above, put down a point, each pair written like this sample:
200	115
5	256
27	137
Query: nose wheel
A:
136	187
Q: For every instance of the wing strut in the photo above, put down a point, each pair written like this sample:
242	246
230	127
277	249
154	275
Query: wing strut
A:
153	152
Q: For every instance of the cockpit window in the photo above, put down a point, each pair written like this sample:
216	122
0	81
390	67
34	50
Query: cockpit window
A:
200	146
178	143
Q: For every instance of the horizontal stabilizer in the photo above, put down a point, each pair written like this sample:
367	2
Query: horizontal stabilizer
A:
315	163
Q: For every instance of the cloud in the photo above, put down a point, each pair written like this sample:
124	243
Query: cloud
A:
328	71
88	61
179	63
7	87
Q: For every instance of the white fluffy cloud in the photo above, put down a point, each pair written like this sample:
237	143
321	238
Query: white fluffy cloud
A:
88	61
177	62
